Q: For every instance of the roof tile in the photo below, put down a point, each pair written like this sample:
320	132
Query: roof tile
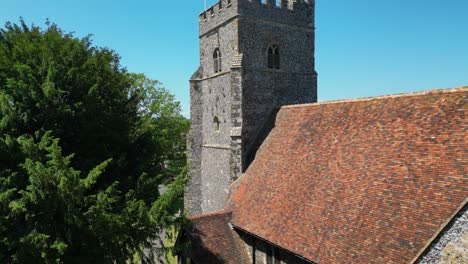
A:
213	241
358	181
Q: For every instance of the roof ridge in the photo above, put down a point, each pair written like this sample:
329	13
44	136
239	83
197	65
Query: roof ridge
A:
222	212
383	97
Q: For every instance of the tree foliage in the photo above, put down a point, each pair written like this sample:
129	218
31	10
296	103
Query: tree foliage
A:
84	148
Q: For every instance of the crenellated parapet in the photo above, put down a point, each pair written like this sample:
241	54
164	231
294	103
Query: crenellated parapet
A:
217	14
294	5
286	11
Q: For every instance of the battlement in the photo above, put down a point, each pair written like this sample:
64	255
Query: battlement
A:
282	4
215	9
289	11
218	13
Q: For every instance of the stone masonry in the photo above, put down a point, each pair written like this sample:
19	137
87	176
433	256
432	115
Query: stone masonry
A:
231	107
452	245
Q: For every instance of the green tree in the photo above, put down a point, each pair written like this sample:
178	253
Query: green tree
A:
84	146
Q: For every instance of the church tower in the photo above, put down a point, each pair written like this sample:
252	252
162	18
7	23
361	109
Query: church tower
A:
255	56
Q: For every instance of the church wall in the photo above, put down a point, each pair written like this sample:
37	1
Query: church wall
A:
209	150
296	45
193	191
216	103
223	37
215	177
245	93
236	120
452	245
265	89
215	166
263	94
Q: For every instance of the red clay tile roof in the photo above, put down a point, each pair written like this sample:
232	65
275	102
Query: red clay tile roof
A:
213	241
358	181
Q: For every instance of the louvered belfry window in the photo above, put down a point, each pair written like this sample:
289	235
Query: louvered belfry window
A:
217	60
273	57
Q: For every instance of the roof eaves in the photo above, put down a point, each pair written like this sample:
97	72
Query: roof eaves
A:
271	243
219	213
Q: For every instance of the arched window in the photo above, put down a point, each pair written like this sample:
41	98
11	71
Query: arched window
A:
216	124
273	57
217	60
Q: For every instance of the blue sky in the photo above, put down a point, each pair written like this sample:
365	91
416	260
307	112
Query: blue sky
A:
363	47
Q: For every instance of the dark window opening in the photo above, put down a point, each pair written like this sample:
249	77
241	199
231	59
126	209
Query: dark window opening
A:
228	2
216	124
217	60
272	255
283	4
273	57
269	255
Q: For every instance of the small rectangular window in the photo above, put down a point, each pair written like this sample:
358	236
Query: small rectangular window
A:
212	12
220	5
228	3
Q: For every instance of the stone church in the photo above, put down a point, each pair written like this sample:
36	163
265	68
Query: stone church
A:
276	177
